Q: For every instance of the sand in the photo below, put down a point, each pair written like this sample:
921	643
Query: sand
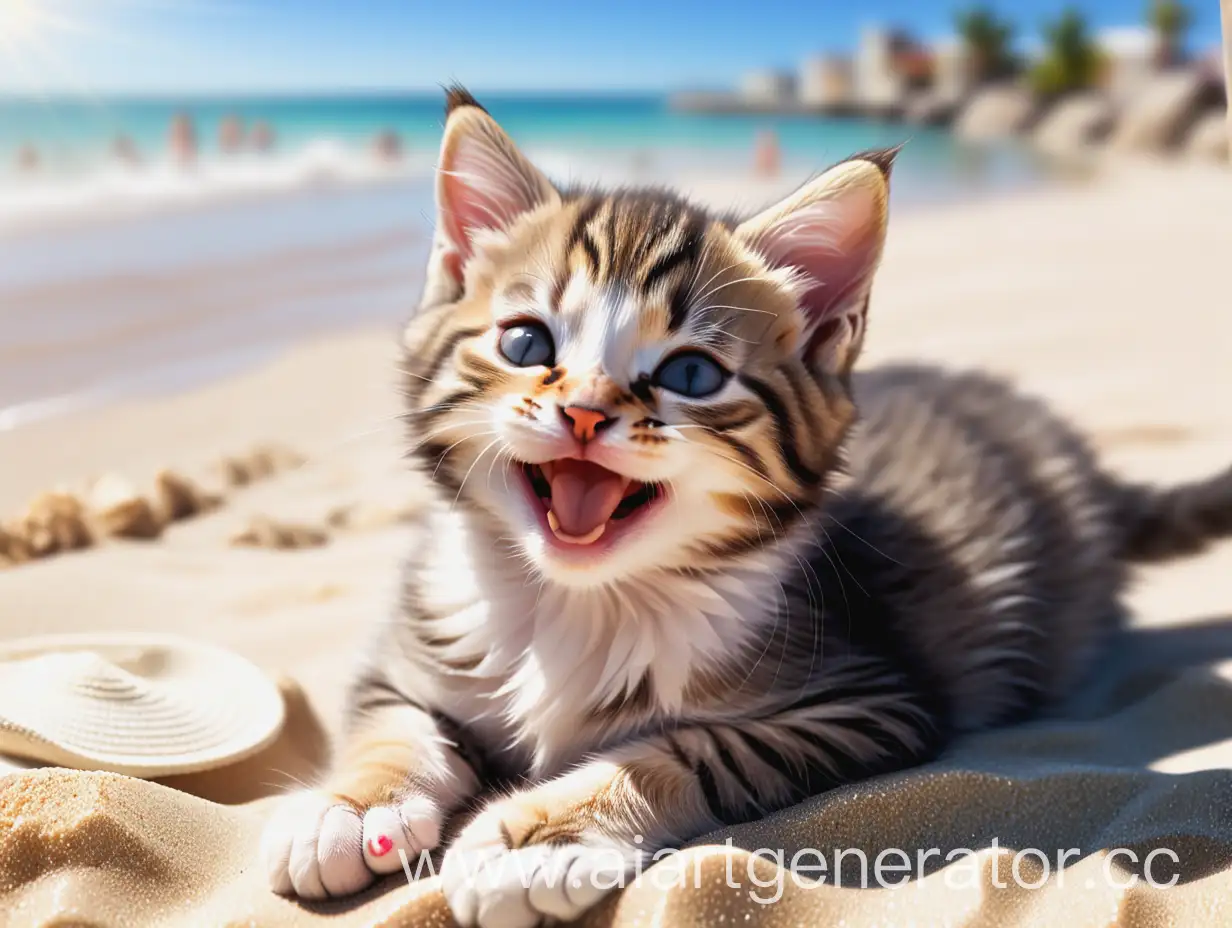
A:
1111	298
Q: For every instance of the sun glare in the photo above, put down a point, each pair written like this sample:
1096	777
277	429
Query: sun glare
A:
18	19
40	40
31	31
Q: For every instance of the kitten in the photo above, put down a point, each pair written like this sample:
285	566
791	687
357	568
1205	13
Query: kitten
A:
668	582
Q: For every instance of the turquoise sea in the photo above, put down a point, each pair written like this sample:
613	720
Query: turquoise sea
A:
73	137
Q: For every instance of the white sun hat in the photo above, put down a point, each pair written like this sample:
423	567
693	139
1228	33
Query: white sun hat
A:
137	704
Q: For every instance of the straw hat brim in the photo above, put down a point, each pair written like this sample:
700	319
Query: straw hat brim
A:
132	703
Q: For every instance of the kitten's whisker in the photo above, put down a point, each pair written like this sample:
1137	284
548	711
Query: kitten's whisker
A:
433	433
742	309
466	476
407	372
711	279
825	550
297	781
723	286
778	615
445	453
341	443
506	451
860	538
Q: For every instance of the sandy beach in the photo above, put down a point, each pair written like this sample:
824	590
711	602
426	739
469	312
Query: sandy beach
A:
1110	297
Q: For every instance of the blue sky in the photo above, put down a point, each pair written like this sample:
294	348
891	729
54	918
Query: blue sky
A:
173	46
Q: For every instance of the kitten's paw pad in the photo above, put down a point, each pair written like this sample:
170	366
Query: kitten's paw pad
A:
312	848
494	887
411	827
315	847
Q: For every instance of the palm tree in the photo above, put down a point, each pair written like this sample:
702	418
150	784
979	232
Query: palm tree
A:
1170	19
988	39
1072	60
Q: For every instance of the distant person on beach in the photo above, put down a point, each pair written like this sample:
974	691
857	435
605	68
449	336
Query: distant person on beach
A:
28	159
182	140
125	152
767	159
261	138
388	147
230	135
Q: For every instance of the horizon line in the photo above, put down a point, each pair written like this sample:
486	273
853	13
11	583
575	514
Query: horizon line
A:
128	94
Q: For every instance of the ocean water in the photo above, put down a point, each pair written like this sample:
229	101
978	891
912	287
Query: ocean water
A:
327	140
75	134
117	279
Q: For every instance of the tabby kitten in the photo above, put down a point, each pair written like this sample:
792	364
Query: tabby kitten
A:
666	585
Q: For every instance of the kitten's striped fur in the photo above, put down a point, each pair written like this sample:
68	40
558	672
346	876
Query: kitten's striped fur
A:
816	601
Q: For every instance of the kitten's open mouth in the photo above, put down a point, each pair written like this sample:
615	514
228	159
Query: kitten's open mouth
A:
582	502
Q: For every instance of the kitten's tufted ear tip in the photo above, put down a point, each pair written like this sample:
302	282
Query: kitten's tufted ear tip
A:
883	159
458	97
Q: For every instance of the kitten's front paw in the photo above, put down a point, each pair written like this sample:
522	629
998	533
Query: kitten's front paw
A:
317	845
489	884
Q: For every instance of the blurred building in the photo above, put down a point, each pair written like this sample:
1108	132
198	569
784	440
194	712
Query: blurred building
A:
888	65
1131	56
827	81
767	87
937	93
953	76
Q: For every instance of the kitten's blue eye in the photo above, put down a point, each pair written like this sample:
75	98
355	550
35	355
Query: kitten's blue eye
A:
528	344
690	373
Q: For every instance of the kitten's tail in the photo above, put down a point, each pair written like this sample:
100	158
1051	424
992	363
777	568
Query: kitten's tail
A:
1159	524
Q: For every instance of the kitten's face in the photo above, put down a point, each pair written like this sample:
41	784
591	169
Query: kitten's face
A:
620	382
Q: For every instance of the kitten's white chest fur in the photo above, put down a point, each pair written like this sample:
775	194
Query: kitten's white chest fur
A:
544	659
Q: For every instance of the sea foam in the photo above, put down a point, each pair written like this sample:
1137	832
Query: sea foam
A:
32	200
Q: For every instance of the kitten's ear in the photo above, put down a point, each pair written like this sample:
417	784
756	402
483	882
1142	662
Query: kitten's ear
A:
482	180
830	232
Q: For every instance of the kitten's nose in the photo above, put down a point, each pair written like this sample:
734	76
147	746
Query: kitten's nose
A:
586	423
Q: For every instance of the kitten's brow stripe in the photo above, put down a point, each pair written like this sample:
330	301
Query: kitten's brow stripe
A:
579	234
613	241
592	253
685	250
660	224
678	312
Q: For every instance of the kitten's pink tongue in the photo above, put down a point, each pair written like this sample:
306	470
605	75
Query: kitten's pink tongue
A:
584	496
